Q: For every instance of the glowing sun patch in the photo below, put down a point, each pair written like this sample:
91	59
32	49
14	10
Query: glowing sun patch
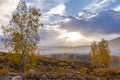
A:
71	36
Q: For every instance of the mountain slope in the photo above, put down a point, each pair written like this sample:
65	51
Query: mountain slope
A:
115	42
114	46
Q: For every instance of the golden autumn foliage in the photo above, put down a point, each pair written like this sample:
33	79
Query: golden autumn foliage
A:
22	35
14	58
100	54
5	70
31	61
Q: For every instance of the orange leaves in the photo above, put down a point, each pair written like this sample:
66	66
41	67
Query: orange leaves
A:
4	70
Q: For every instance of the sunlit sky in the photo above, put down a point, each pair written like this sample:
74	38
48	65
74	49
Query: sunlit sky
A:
71	22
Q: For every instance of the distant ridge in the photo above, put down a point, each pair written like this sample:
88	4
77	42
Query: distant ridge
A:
116	39
115	42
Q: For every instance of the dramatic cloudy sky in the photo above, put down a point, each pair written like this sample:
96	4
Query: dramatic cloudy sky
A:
71	22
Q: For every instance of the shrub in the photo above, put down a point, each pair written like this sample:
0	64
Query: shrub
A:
4	71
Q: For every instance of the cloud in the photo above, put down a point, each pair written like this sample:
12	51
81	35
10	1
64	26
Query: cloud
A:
106	22
89	30
49	8
96	4
60	9
49	35
6	8
61	1
93	22
104	25
54	35
117	8
93	9
42	4
57	10
46	5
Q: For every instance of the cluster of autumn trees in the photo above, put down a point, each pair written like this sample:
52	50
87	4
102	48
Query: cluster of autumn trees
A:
100	54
